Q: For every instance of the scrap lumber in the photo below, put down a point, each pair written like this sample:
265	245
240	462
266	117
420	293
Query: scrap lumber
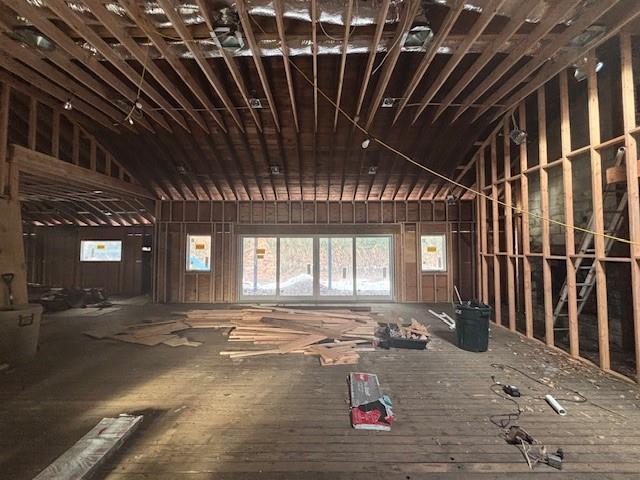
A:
332	335
87	454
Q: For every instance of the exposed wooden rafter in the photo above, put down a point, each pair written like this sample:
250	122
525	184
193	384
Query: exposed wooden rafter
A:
548	22
432	49
488	13
170	10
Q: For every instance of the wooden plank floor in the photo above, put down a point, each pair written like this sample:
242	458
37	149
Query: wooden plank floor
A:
286	417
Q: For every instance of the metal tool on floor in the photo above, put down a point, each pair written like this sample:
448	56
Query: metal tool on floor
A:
8	280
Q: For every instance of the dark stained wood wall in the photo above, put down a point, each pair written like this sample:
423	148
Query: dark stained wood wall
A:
225	221
53	258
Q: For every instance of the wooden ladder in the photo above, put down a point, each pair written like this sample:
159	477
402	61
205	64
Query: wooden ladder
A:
586	266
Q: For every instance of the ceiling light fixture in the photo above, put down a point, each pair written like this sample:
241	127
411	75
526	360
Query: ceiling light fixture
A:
517	135
388	102
274	169
68	105
31	37
373	169
255	103
366	142
582	68
418	37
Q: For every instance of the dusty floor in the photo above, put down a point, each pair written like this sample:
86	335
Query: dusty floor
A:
276	417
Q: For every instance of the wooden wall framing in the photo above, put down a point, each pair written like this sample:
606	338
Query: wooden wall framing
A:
224	221
517	222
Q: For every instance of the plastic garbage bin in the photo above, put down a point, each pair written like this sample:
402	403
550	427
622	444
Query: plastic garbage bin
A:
19	333
472	326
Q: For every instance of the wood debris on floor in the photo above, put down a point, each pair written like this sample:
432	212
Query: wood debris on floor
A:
335	336
85	457
150	334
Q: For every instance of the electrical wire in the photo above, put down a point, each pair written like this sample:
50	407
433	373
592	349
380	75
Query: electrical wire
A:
581	398
440	175
137	99
393	45
350	32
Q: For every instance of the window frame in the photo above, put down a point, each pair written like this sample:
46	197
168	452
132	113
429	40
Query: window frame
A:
187	267
316	297
82	241
445	266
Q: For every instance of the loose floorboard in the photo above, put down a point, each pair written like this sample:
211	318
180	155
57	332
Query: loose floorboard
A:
286	417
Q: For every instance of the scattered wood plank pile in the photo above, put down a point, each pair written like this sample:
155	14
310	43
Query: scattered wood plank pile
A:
149	334
335	336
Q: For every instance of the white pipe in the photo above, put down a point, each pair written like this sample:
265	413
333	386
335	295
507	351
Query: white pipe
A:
448	321
555	405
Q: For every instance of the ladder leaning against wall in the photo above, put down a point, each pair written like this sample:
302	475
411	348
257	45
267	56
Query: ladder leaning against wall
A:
586	265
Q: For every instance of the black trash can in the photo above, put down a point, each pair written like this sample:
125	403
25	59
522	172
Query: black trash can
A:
472	326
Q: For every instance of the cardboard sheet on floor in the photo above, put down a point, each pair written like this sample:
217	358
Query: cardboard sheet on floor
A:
83	458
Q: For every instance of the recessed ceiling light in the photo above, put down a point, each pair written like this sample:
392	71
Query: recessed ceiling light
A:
97	191
418	37
274	169
373	169
31	37
255	103
388	102
581	68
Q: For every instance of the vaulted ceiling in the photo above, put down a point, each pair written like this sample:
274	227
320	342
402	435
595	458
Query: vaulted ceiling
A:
258	100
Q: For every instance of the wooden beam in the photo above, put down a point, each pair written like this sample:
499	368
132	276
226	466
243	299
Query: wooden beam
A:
404	25
230	62
495	46
62	40
279	9
373	49
495	234
5	99
33	123
526	235
557	11
139	18
247	29
483	221
55	135
79	25
488	13
169	8
314	53
36	163
508	227
85	94
544	211
620	16
569	235
598	214
343	59
143	56
632	167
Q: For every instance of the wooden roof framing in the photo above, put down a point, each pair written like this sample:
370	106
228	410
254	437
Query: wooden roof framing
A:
213	145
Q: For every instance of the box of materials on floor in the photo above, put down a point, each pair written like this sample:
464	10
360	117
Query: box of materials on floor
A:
370	408
396	335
